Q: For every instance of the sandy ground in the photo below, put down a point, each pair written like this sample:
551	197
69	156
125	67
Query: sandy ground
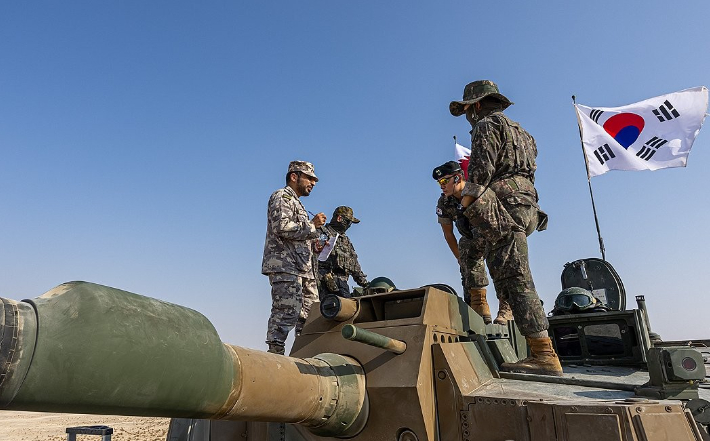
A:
35	426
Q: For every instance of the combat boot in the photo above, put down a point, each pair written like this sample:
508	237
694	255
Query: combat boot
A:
276	348
504	313
542	360
479	304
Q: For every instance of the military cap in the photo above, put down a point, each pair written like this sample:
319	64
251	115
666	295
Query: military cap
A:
446	169
474	92
347	213
303	167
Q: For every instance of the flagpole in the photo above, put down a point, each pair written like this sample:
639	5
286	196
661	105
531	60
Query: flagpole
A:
589	182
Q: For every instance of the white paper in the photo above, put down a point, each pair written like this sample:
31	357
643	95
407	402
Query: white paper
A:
325	252
600	294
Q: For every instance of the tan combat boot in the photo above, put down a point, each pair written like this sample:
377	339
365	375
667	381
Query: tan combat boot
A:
479	303
542	360
504	313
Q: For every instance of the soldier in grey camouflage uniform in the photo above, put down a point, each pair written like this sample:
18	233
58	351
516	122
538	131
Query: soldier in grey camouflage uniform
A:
288	255
500	201
342	262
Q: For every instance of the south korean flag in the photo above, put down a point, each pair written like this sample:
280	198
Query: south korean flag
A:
648	135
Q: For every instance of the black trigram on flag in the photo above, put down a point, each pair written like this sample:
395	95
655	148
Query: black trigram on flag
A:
666	112
650	148
595	114
604	153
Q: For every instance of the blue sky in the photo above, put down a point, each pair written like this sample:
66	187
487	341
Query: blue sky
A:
141	140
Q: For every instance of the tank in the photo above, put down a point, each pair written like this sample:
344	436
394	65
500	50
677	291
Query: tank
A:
403	365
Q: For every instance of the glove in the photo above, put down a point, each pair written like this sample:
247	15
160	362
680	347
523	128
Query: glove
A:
462	222
329	282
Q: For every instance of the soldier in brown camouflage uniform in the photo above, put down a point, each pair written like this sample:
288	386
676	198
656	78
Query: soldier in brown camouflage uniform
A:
500	201
450	178
288	255
342	262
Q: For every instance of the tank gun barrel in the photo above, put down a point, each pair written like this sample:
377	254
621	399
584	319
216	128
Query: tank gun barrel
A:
86	348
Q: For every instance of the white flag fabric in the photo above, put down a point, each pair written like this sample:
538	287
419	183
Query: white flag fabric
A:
462	155
648	135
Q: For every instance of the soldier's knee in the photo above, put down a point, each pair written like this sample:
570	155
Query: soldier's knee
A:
528	312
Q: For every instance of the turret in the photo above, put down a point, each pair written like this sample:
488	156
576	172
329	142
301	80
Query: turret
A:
414	365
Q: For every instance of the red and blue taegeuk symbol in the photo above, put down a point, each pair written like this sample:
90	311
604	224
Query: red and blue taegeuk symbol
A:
625	128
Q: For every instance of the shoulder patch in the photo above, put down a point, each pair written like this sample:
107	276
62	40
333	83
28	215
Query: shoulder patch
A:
439	212
286	196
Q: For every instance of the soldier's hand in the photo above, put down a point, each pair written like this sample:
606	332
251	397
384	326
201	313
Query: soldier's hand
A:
466	201
319	220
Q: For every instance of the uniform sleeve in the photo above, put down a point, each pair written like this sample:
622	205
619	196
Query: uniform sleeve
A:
485	145
328	263
443	217
282	212
358	276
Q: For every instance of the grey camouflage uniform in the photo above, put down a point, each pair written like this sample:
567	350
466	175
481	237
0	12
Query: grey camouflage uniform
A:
501	177
471	264
289	263
342	263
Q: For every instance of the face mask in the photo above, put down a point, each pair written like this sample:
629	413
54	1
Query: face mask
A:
340	227
472	115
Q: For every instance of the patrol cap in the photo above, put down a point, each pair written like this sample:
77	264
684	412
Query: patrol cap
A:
446	169
347	213
303	167
474	92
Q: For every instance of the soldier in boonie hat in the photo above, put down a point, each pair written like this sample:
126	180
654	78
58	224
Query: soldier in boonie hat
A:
475	92
500	200
302	167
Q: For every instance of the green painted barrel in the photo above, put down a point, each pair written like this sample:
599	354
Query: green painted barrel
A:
169	358
87	348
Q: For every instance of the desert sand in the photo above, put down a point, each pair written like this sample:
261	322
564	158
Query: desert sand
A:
35	426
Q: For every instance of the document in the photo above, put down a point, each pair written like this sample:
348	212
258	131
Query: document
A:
325	252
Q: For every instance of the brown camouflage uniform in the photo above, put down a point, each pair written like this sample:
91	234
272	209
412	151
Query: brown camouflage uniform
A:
342	263
501	177
471	265
289	263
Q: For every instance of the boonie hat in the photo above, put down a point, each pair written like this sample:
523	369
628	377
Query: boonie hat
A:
474	92
347	213
445	169
303	167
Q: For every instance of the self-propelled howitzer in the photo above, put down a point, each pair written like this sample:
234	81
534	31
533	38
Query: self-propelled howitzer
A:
403	366
86	348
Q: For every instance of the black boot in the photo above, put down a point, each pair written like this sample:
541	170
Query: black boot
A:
276	348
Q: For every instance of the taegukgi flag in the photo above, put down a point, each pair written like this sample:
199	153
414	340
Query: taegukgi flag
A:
462	155
648	135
